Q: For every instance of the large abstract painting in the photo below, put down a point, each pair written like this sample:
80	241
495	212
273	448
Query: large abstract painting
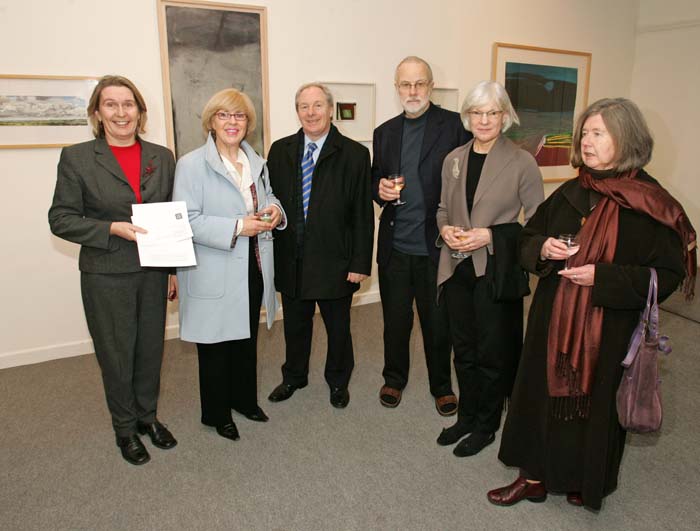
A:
548	88
207	47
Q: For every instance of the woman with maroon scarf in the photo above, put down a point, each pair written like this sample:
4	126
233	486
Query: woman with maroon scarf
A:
562	429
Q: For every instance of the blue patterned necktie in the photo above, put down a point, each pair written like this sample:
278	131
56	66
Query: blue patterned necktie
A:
307	172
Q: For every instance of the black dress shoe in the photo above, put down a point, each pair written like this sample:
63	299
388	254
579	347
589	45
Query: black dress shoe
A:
133	450
473	444
159	434
258	415
283	391
340	397
228	431
454	433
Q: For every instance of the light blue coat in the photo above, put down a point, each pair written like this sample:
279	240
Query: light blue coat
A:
214	293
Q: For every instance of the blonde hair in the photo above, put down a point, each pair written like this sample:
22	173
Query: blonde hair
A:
232	100
94	104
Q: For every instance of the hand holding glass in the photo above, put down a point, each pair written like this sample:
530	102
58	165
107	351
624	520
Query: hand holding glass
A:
399	182
267	218
461	234
572	246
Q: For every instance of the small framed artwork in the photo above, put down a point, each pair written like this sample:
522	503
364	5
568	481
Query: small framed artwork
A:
44	111
207	47
345	111
549	89
354	109
447	98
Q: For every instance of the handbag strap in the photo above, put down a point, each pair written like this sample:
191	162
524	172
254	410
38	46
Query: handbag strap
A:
649	321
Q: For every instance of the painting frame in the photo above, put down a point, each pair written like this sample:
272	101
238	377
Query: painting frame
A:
537	56
363	95
37	135
190	121
447	98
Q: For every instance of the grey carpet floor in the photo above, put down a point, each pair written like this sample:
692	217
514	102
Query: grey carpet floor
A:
311	467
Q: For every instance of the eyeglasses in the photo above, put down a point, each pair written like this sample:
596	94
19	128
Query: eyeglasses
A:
490	115
421	84
114	106
238	116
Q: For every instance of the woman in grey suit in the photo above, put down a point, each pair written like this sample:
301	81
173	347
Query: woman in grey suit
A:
232	211
485	185
97	183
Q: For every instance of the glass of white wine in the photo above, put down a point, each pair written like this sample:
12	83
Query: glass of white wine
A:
399	183
572	246
267	218
461	234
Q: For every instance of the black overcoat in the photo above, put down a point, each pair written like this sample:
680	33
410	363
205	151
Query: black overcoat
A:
339	230
583	455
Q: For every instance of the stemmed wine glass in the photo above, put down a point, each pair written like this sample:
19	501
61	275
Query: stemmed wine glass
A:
267	218
461	234
399	183
572	245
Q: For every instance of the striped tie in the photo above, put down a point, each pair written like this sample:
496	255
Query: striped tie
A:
307	172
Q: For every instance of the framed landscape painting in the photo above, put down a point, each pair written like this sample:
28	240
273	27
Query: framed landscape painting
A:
548	88
207	47
44	111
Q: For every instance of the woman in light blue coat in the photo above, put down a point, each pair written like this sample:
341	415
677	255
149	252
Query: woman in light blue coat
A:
232	211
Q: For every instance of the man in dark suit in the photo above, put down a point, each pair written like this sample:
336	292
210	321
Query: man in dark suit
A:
413	145
323	181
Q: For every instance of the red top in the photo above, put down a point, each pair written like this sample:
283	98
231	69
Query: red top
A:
129	158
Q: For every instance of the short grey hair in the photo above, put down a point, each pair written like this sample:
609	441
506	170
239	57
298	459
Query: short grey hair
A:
326	91
628	129
485	93
413	59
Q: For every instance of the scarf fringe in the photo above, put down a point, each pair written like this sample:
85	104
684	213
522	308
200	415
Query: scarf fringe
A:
577	404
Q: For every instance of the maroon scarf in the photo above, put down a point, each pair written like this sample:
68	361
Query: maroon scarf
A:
576	325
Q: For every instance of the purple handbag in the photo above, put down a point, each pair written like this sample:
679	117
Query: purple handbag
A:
638	397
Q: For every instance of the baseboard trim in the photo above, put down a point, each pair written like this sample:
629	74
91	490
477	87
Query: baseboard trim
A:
80	348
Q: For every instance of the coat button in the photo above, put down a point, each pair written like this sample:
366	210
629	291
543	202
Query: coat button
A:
391	223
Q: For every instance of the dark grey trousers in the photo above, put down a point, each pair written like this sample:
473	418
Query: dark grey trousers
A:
125	314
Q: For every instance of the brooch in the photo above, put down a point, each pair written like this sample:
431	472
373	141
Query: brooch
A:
455	168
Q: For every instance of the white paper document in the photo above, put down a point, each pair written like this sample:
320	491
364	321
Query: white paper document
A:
168	242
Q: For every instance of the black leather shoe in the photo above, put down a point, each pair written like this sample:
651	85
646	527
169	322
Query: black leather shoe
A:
473	444
228	431
454	433
258	415
340	397
159	434
283	391
133	450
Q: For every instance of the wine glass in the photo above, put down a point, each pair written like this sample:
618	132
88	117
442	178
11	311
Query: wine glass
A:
267	218
572	246
399	183
461	234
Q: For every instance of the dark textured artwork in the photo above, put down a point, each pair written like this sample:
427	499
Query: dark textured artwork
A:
210	50
544	98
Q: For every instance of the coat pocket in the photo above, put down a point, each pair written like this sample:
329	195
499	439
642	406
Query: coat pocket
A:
207	280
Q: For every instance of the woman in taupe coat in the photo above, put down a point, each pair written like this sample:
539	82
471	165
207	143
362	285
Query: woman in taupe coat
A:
485	184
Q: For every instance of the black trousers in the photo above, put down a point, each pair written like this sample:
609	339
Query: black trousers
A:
486	336
125	314
228	370
298	330
402	280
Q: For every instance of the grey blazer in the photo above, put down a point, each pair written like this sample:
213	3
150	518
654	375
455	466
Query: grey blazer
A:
510	180
92	192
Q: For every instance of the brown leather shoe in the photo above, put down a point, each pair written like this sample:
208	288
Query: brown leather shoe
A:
574	498
389	397
446	405
519	490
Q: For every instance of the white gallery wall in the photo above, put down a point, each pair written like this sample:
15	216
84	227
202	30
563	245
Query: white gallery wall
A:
330	40
665	84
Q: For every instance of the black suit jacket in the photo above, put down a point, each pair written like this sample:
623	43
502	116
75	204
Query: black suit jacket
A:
92	192
339	229
444	131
